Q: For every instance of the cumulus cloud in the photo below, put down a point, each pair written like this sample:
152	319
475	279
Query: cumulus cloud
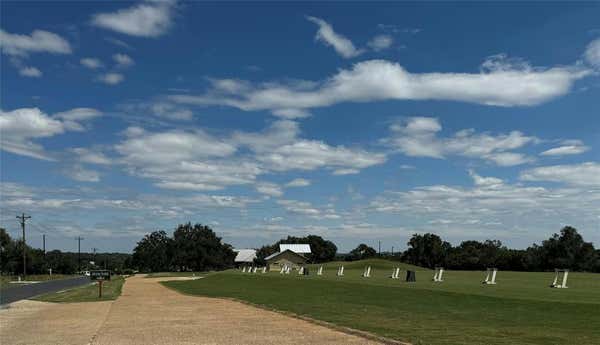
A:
91	63
39	41
342	45
380	80
418	137
31	72
72	118
270	189
79	173
569	147
148	19
584	174
123	60
195	160
86	155
491	205
110	78
298	182
381	42
22	126
306	209
592	53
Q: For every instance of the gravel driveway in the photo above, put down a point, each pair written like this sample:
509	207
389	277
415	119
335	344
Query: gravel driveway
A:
149	313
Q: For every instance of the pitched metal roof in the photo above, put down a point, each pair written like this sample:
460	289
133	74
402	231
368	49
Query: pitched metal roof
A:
279	253
245	255
296	248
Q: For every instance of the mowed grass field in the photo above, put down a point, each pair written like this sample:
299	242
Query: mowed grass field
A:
520	309
111	289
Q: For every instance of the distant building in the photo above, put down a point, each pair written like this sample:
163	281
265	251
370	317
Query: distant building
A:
244	256
291	255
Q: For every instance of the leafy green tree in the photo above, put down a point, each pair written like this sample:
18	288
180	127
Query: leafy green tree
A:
427	250
568	250
198	248
361	252
154	252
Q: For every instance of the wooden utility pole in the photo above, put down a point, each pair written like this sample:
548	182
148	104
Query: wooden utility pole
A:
44	243
79	238
22	219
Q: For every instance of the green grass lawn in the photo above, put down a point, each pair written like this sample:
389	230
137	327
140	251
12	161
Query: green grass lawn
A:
520	309
111	289
174	274
5	281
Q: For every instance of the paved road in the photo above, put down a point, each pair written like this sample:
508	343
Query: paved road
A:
17	293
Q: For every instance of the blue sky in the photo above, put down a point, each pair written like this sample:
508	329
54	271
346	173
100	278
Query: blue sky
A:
357	122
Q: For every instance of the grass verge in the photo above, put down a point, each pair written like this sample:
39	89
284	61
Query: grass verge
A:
111	289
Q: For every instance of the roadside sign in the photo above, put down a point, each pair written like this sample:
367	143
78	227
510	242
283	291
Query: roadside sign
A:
100	275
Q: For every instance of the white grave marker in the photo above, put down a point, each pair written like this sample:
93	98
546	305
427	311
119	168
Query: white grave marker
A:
340	271
438	275
320	271
367	272
563	284
490	277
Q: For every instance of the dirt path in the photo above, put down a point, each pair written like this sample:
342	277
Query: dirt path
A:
33	322
148	313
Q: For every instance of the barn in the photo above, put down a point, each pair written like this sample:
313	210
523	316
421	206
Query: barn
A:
292	255
244	257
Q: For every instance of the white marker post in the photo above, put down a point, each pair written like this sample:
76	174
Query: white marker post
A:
396	273
438	275
244	269
340	272
301	271
320	271
490	277
565	275
264	269
367	272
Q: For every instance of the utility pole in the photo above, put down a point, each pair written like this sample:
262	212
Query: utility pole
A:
94	249
79	238
44	243
392	250
379	248
22	219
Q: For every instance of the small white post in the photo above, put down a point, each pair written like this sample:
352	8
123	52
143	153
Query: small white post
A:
244	269
555	278
287	269
369	271
282	270
564	281
301	270
320	271
438	275
255	269
494	275
397	272
264	269
340	271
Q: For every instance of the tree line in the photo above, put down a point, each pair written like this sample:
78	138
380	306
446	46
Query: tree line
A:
564	250
38	262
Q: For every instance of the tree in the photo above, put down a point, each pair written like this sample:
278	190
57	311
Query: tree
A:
427	250
568	250
361	252
153	253
198	248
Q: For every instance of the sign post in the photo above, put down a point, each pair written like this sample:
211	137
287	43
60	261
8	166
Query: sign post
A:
100	276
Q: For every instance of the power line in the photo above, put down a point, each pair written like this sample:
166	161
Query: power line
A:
22	218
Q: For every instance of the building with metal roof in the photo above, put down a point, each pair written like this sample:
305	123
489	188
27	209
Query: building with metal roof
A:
287	258
296	248
245	255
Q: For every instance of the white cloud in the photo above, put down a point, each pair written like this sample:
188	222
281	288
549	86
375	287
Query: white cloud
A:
381	42
148	19
79	173
584	174
380	80
31	72
308	210
491	207
569	147
110	78
268	188
71	118
39	41
91	63
20	127
341	44
298	182
92	157
195	160
592	53
123	60
418	137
